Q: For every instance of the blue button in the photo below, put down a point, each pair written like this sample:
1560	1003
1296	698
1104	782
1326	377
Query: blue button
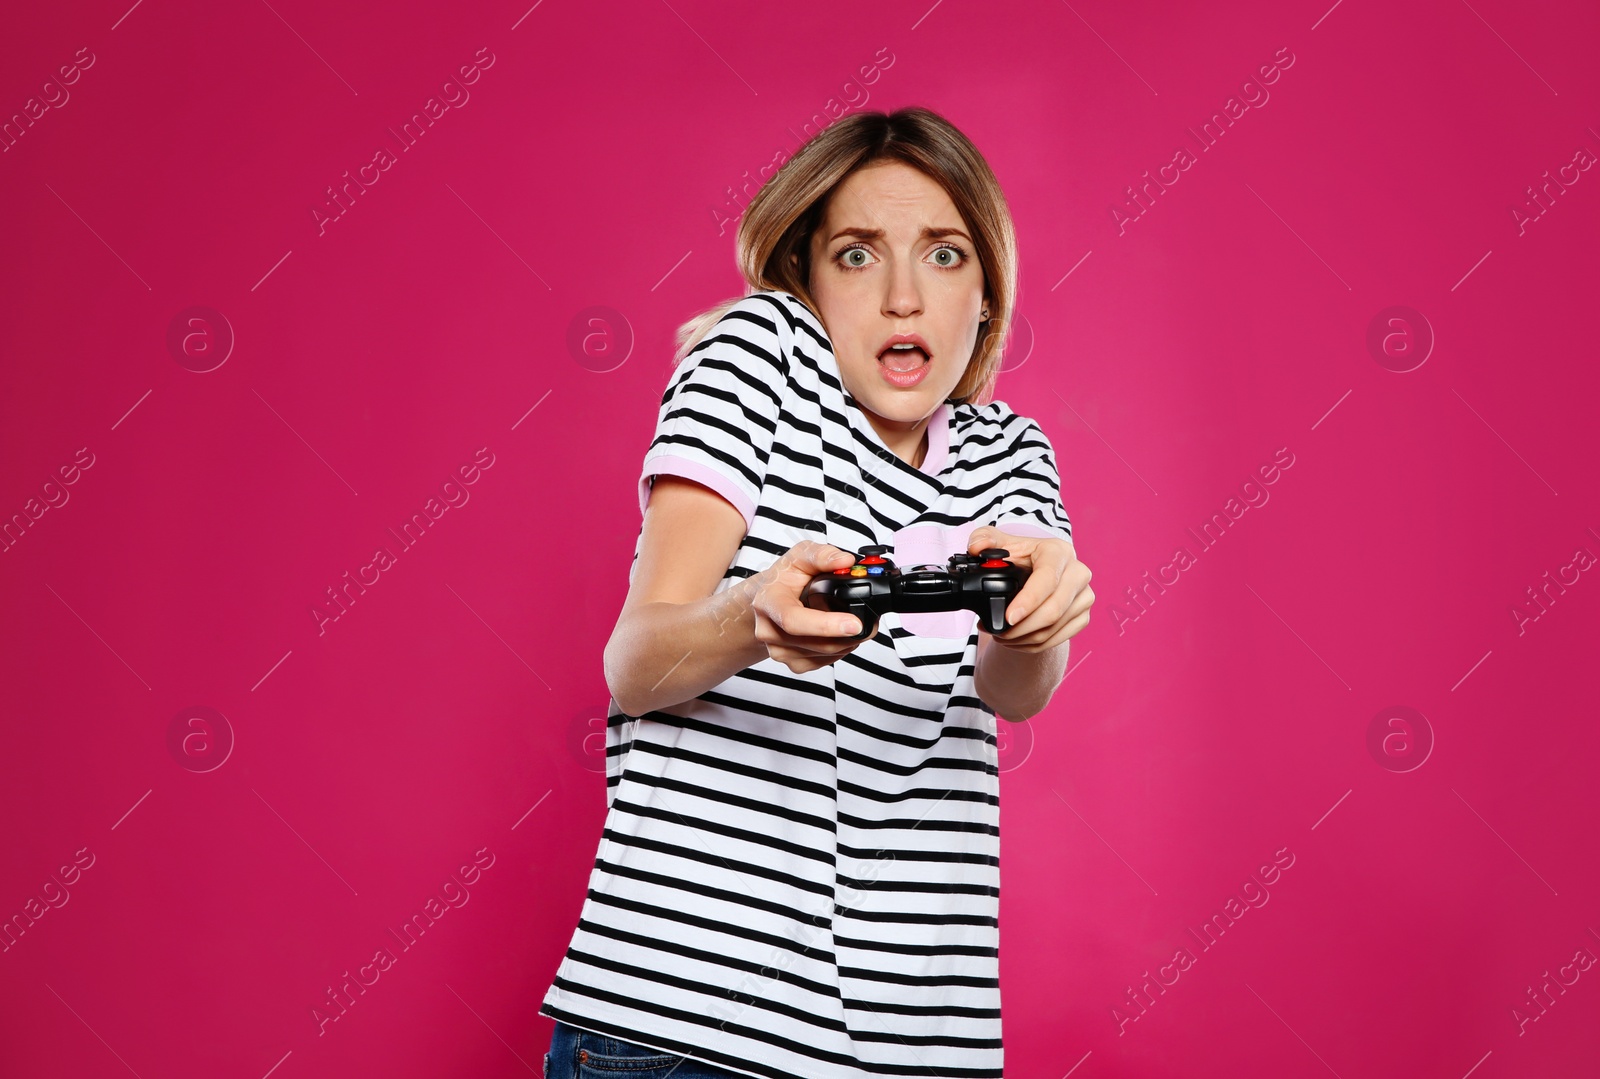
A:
875	571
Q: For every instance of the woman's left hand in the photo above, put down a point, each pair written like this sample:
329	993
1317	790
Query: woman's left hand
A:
1054	603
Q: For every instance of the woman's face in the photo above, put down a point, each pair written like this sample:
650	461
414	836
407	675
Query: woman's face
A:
893	257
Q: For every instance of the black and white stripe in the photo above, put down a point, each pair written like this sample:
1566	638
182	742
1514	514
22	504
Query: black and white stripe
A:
799	873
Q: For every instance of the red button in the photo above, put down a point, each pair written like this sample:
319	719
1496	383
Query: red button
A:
842	571
871	560
993	563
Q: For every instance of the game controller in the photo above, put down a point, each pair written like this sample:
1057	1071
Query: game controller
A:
984	584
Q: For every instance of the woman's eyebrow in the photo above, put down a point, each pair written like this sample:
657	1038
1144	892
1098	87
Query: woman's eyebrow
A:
877	234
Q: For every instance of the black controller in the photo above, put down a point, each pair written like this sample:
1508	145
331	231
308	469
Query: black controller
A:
984	584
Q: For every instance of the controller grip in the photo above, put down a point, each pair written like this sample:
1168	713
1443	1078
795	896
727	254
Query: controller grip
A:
819	597
993	615
869	621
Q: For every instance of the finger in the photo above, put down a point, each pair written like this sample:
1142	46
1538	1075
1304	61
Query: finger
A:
783	600
791	574
1067	630
1032	641
805	658
799	622
1058	575
1068	626
810	648
1056	608
1056	612
799	664
1022	636
1026	606
1040	601
810	558
1051	640
989	536
820	646
1016	546
807	666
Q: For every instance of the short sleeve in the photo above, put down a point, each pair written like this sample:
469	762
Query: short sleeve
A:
720	409
1031	502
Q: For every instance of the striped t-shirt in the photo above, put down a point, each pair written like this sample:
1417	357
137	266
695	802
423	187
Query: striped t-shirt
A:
799	874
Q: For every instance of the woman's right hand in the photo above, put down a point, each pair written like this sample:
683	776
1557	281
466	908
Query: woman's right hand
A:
795	635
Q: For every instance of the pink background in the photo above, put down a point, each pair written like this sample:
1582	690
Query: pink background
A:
451	710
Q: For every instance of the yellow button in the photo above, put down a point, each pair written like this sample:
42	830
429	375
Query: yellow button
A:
858	571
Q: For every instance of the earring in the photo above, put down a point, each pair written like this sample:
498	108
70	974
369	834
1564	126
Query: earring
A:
985	315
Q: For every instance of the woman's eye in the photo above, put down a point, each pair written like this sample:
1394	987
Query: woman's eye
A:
947	257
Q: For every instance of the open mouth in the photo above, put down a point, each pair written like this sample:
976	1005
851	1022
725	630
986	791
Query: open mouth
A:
903	366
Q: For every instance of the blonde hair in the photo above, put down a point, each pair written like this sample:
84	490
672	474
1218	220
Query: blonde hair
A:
781	218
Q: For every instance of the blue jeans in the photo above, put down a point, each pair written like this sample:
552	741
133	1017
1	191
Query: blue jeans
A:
583	1054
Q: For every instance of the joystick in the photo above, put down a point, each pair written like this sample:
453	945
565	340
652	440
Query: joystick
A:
984	583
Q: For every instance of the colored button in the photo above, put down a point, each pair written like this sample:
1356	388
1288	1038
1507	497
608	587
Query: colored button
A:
842	571
858	571
876	571
871	560
993	563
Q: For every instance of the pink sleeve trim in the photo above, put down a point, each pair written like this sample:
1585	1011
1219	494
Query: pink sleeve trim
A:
668	464
938	439
1018	527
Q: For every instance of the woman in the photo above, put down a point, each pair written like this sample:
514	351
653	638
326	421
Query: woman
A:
799	871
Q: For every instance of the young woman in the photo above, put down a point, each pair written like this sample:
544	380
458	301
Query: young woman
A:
799	870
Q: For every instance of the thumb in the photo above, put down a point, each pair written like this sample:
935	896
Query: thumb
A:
824	556
990	536
834	557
